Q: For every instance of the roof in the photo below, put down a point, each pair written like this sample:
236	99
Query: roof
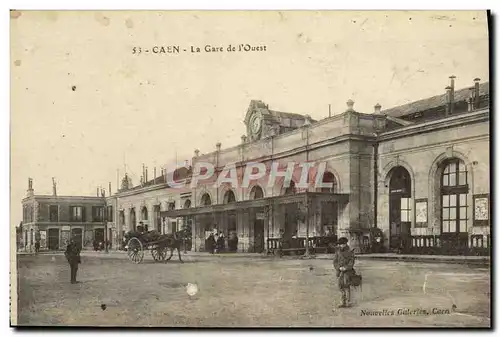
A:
434	102
180	173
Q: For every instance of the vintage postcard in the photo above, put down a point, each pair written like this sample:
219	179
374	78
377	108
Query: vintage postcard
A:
250	169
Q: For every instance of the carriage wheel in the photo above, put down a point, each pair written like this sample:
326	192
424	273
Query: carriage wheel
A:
135	250
159	254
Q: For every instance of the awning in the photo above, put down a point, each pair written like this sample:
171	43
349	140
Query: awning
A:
258	203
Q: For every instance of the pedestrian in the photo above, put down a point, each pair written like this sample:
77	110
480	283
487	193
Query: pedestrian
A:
343	262
221	242
72	254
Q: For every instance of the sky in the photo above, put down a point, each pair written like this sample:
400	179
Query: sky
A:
84	106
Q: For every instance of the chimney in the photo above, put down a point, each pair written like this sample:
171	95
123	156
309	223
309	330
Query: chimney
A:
154	173
196	153
448	100
146	173
97	191
452	93
470	100
476	93
103	193
218	145
307	120
377	108
350	105
30	191
54	187
243	139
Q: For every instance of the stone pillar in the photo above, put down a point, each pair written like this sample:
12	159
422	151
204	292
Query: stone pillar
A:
240	230
195	244
245	226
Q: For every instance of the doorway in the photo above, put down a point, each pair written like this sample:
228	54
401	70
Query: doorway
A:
99	234
259	235
400	209
77	235
53	240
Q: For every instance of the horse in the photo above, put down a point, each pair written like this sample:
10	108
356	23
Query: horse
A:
174	241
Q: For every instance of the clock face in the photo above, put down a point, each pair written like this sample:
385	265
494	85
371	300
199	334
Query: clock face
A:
255	124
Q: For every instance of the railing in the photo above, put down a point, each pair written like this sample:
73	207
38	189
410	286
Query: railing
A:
450	245
297	246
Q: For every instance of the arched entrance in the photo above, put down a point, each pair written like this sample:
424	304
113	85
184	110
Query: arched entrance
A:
329	209
291	214
258	220
205	220
230	217
400	208
188	227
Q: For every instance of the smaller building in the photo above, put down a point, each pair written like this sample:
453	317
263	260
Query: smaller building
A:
53	220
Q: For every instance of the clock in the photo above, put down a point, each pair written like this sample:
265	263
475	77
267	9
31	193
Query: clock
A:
255	124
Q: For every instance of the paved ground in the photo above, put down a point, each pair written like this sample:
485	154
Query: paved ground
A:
244	291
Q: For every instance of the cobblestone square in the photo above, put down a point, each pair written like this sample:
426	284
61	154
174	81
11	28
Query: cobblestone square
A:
248	292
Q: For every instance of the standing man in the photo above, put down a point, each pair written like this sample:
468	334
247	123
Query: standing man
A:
37	241
72	254
343	262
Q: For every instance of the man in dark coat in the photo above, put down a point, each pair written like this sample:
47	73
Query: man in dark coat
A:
72	254
343	262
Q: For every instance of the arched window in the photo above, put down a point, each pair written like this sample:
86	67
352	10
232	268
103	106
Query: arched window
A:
229	197
187	203
133	220
328	177
144	213
256	192
291	189
122	218
454	190
157	217
205	200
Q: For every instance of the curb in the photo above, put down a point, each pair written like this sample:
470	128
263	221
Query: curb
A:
479	261
418	258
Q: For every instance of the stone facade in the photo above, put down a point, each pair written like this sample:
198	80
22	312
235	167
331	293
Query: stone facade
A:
362	153
55	219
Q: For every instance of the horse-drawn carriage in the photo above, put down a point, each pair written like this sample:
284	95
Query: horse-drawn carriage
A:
158	244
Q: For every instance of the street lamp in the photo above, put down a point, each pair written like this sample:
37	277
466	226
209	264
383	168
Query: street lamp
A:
306	125
105	218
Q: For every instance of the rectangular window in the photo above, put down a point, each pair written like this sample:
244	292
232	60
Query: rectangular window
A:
453	200
405	209
54	213
97	213
463	226
446	226
110	213
462	178
453	213
76	213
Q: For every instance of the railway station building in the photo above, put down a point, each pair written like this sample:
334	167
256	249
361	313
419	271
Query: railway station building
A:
420	173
